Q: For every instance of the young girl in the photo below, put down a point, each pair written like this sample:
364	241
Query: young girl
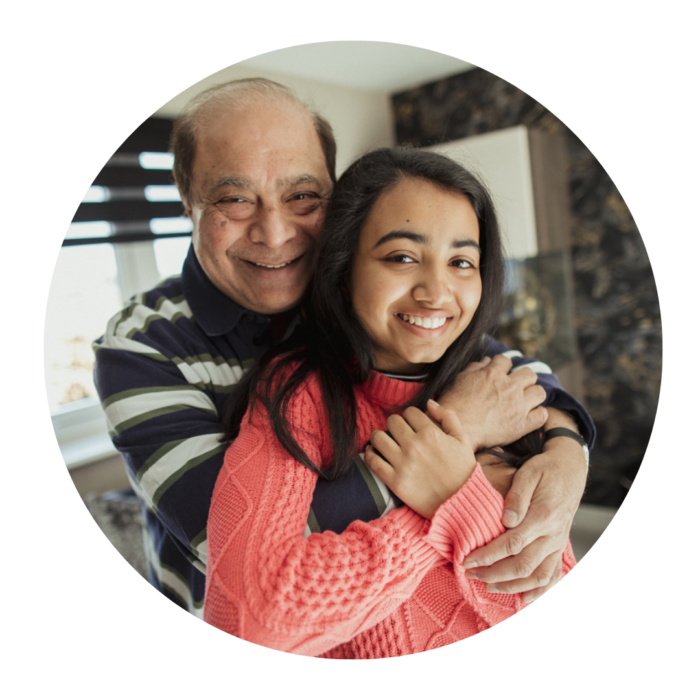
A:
408	280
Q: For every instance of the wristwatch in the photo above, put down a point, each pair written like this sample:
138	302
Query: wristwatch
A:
565	432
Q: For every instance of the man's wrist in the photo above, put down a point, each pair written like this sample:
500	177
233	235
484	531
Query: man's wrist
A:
566	451
556	418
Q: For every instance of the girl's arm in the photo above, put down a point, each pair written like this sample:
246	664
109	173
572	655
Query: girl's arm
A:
268	584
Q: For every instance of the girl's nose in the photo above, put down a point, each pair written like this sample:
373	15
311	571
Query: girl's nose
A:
432	289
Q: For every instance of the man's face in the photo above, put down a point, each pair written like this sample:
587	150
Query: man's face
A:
259	188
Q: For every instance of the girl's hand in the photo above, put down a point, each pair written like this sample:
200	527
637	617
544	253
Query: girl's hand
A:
425	462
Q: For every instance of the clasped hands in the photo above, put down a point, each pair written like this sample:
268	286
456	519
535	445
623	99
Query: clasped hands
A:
431	456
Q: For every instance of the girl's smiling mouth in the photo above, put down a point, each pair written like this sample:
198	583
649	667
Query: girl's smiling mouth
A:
426	326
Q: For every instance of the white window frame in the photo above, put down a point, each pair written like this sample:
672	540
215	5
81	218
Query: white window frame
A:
80	426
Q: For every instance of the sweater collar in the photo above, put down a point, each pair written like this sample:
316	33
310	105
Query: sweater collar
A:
389	391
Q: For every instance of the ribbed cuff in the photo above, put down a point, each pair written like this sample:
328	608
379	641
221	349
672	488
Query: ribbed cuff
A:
468	520
415	527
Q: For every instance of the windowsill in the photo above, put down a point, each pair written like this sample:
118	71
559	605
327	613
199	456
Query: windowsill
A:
88	450
82	434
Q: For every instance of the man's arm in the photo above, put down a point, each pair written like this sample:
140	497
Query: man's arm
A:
556	397
539	509
159	399
546	490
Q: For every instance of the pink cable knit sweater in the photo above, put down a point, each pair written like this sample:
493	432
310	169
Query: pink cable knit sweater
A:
388	587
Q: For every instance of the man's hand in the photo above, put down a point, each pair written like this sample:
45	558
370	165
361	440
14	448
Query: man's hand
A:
539	511
495	407
497	472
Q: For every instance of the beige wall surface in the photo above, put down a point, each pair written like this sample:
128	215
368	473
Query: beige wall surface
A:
361	119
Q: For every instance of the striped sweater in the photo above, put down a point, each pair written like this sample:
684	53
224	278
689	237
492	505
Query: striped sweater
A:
163	370
388	587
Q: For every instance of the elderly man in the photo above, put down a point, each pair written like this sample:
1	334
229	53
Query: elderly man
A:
255	169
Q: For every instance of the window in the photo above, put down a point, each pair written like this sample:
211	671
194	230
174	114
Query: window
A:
127	234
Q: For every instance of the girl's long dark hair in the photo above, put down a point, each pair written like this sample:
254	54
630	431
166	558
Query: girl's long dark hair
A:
332	342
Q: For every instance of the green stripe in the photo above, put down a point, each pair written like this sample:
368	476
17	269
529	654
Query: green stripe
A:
141	391
160	452
150	319
163	299
190	464
371	484
155	413
312	522
199	539
196	604
152	355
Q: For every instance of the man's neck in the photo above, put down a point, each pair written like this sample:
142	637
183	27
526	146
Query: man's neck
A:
279	324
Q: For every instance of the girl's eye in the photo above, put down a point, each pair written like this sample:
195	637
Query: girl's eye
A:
462	264
401	258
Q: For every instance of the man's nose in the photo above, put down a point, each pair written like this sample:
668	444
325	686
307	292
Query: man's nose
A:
432	288
272	228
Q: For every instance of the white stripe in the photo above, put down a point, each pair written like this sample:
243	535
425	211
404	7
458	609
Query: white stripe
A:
390	505
168	578
537	367
209	372
116	342
510	354
140	404
139	492
202	551
140	313
174	460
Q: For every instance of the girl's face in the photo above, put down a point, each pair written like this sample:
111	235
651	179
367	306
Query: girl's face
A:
415	283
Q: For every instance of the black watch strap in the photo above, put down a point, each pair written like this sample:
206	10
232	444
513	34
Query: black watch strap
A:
565	432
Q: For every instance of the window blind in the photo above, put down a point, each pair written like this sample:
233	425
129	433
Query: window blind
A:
133	198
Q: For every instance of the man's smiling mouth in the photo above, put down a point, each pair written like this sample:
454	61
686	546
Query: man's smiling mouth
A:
273	266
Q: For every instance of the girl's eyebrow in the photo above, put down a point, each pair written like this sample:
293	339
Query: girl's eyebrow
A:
423	240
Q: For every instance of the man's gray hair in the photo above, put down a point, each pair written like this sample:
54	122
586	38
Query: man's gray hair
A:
240	93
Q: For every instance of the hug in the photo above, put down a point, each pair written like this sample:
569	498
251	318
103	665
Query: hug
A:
344	497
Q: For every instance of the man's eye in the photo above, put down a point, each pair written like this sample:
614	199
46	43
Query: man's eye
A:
304	202
235	207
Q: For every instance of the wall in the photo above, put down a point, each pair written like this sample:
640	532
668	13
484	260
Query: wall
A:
617	311
361	119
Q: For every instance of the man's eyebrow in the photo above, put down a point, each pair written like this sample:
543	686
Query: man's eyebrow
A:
245	183
239	182
423	240
299	180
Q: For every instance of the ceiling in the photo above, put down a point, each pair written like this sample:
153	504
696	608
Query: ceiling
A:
362	65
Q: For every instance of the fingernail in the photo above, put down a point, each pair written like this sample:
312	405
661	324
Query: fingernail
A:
471	564
510	515
471	575
433	402
528	598
492	589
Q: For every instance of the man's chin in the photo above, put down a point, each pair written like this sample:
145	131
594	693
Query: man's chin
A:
271	303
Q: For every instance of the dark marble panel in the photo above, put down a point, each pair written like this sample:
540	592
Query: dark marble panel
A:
618	324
